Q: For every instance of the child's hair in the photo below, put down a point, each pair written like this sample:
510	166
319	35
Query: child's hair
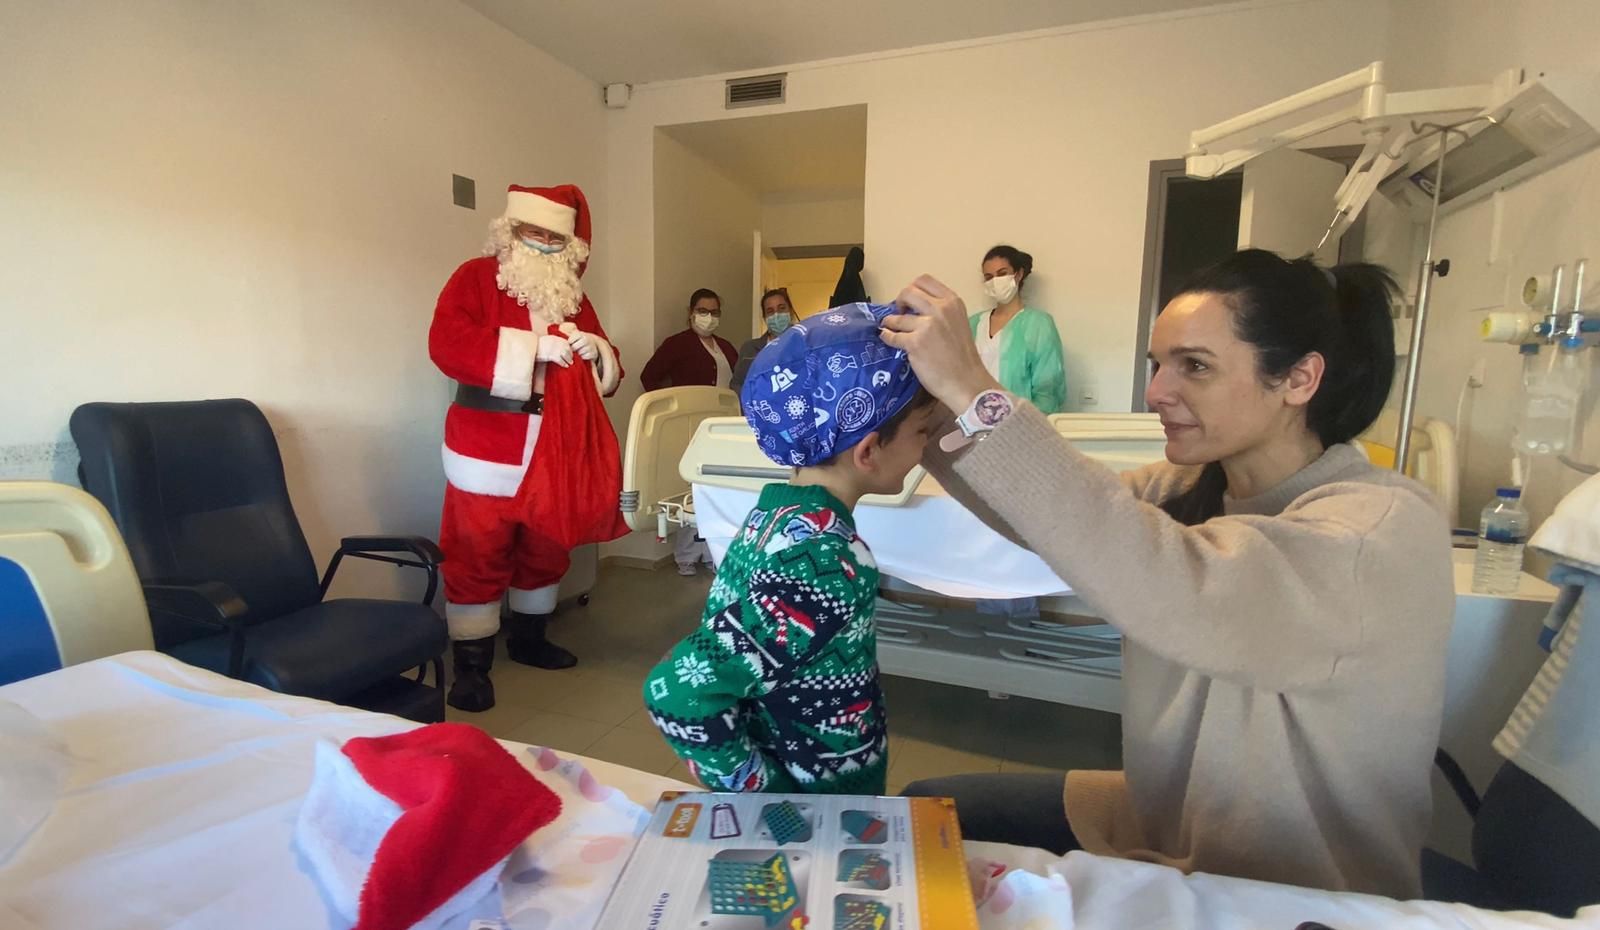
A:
889	428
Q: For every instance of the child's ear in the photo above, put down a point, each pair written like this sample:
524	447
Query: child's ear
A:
865	453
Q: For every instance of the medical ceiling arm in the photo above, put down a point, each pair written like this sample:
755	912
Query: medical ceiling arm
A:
1366	84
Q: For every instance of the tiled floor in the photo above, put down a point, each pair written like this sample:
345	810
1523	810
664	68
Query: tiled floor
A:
635	616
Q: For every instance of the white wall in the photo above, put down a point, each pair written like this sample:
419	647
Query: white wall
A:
1043	142
812	221
254	200
1544	221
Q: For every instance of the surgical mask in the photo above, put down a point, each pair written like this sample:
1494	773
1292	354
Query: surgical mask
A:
705	324
543	248
1001	288
777	323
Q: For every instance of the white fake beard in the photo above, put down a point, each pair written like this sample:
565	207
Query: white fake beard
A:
548	285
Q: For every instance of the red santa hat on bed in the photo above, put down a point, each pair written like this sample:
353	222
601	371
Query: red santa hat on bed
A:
560	209
414	829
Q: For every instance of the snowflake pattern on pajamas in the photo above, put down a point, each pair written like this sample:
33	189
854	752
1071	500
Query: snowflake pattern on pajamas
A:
777	689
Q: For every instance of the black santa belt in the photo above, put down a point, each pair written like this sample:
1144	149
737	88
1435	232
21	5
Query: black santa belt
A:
477	398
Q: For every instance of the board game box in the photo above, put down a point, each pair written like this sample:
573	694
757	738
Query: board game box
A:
795	862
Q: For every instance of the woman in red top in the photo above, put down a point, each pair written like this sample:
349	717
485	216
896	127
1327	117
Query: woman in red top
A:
693	356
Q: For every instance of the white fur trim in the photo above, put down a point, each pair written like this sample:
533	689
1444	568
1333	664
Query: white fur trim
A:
513	363
496	479
537	601
472	621
342	821
606	370
541	211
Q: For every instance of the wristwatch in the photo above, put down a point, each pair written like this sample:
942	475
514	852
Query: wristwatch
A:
981	416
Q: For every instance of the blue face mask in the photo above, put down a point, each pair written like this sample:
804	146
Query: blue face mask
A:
777	323
544	248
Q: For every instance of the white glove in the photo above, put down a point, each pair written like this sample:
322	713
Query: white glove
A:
554	349
583	345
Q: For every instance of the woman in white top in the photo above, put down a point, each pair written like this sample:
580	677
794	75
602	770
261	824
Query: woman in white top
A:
693	355
1019	345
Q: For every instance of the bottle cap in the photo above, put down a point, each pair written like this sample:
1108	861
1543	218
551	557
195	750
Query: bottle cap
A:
1512	493
1572	342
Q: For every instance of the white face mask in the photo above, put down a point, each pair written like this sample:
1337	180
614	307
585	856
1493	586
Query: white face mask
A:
1001	288
705	324
544	248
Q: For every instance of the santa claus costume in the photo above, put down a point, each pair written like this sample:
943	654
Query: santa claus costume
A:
501	321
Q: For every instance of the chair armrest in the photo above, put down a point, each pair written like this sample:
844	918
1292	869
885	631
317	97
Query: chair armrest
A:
208	602
212	603
415	552
420	546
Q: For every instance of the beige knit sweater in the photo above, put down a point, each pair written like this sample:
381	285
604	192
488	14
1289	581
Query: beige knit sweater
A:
1283	664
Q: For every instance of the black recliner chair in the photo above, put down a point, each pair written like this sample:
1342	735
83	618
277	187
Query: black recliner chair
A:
1532	851
197	490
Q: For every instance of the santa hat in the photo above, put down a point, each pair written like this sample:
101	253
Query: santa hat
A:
411	830
561	209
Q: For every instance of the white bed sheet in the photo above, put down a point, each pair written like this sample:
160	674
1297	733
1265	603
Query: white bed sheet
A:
181	798
180	804
1085	892
932	542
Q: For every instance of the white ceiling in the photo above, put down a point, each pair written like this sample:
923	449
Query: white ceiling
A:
758	151
636	41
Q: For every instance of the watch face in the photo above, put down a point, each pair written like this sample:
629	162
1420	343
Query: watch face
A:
991	407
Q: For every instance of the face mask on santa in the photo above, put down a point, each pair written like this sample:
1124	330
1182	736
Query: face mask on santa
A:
705	324
543	248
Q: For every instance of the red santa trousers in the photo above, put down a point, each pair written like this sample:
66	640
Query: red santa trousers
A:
568	498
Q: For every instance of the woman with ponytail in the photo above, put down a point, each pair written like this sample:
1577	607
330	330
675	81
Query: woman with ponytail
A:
1285	605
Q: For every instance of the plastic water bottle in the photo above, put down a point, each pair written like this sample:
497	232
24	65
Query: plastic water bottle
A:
1502	533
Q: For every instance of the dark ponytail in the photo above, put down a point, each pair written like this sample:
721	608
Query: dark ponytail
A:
1287	310
1021	262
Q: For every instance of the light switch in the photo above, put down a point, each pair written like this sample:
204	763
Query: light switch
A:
464	191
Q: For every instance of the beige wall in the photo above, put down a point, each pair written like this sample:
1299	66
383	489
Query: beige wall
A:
705	225
1043	142
255	201
812	221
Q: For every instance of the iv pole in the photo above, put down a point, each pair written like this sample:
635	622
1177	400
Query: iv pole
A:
1408	391
1408	395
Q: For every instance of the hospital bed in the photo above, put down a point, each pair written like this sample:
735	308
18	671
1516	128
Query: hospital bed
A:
938	561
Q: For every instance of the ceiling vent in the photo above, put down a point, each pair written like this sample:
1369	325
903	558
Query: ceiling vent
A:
761	90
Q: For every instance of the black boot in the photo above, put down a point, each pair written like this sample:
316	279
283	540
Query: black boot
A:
472	691
527	644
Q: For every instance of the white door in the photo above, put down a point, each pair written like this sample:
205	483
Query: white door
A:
1287	203
763	275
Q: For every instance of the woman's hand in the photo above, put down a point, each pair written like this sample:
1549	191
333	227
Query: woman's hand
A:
934	332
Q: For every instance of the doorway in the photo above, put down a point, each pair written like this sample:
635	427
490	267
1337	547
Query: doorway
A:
1281	201
791	185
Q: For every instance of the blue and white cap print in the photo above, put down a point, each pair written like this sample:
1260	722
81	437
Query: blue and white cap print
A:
824	384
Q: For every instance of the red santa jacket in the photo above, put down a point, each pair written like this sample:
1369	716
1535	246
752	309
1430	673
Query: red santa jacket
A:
483	337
